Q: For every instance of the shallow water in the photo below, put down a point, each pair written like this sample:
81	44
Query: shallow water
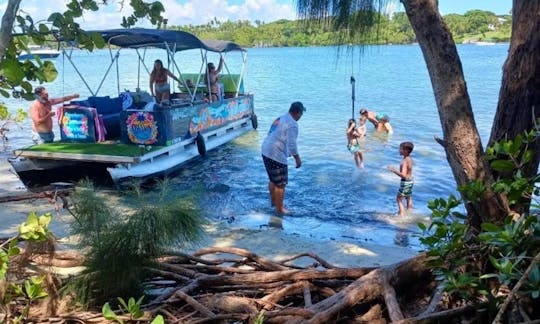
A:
328	196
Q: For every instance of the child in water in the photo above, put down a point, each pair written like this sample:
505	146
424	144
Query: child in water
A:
405	173
354	134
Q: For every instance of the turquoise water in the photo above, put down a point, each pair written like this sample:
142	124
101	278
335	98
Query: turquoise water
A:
328	196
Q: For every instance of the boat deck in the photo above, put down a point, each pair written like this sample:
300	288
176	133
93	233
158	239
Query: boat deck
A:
87	152
113	153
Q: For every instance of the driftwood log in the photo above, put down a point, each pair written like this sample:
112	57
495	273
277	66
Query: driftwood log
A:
232	285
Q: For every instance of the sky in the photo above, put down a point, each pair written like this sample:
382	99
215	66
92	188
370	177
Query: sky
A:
198	12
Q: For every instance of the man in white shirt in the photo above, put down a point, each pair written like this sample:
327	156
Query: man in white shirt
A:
279	144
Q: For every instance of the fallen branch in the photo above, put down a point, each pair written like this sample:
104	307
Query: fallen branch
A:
446	314
267	265
51	195
516	288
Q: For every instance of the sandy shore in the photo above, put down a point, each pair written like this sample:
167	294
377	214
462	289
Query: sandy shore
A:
267	236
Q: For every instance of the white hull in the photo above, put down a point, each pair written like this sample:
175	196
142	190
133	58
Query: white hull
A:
170	158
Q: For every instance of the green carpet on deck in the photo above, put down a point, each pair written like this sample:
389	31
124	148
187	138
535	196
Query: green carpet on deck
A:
92	148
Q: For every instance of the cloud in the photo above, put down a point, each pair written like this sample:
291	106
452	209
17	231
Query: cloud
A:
178	12
196	12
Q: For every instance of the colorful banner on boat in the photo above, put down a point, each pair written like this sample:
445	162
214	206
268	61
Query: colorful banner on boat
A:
142	128
76	124
217	115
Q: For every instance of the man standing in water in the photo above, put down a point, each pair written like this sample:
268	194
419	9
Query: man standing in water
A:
41	113
279	144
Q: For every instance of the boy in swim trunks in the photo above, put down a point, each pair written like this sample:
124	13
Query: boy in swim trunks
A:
405	172
354	134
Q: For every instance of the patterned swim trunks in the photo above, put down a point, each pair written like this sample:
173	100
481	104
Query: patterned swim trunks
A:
405	187
277	172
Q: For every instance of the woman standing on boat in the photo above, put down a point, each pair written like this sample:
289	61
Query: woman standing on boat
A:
159	85
212	78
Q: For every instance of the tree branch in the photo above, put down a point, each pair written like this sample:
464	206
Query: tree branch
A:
518	285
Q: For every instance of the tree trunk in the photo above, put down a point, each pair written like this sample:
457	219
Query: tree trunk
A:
462	142
519	97
7	25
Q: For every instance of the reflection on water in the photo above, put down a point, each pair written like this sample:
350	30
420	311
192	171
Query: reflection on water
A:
276	222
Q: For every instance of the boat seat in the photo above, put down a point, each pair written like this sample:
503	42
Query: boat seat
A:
229	82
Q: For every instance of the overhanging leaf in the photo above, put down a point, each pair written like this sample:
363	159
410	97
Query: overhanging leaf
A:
502	165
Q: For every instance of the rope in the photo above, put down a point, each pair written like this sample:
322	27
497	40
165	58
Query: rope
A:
63	71
353	81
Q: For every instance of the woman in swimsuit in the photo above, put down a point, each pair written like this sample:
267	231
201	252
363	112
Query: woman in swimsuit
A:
159	85
354	134
212	77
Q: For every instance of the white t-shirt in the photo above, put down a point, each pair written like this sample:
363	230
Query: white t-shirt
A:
280	143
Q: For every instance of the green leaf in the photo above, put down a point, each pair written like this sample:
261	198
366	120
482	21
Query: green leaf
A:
33	288
49	71
139	301
489	227
108	313
35	228
158	320
527	157
124	307
488	276
515	145
422	226
56	18
98	40
12	71
43	29
131	304
502	165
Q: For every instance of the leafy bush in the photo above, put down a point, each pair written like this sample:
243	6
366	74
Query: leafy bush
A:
120	248
6	118
15	290
486	267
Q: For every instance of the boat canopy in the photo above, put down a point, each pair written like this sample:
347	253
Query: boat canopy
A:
173	40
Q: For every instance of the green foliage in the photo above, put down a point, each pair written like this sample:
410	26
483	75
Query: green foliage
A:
34	230
131	308
60	27
475	25
260	318
510	247
7	118
120	247
33	289
508	157
479	267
